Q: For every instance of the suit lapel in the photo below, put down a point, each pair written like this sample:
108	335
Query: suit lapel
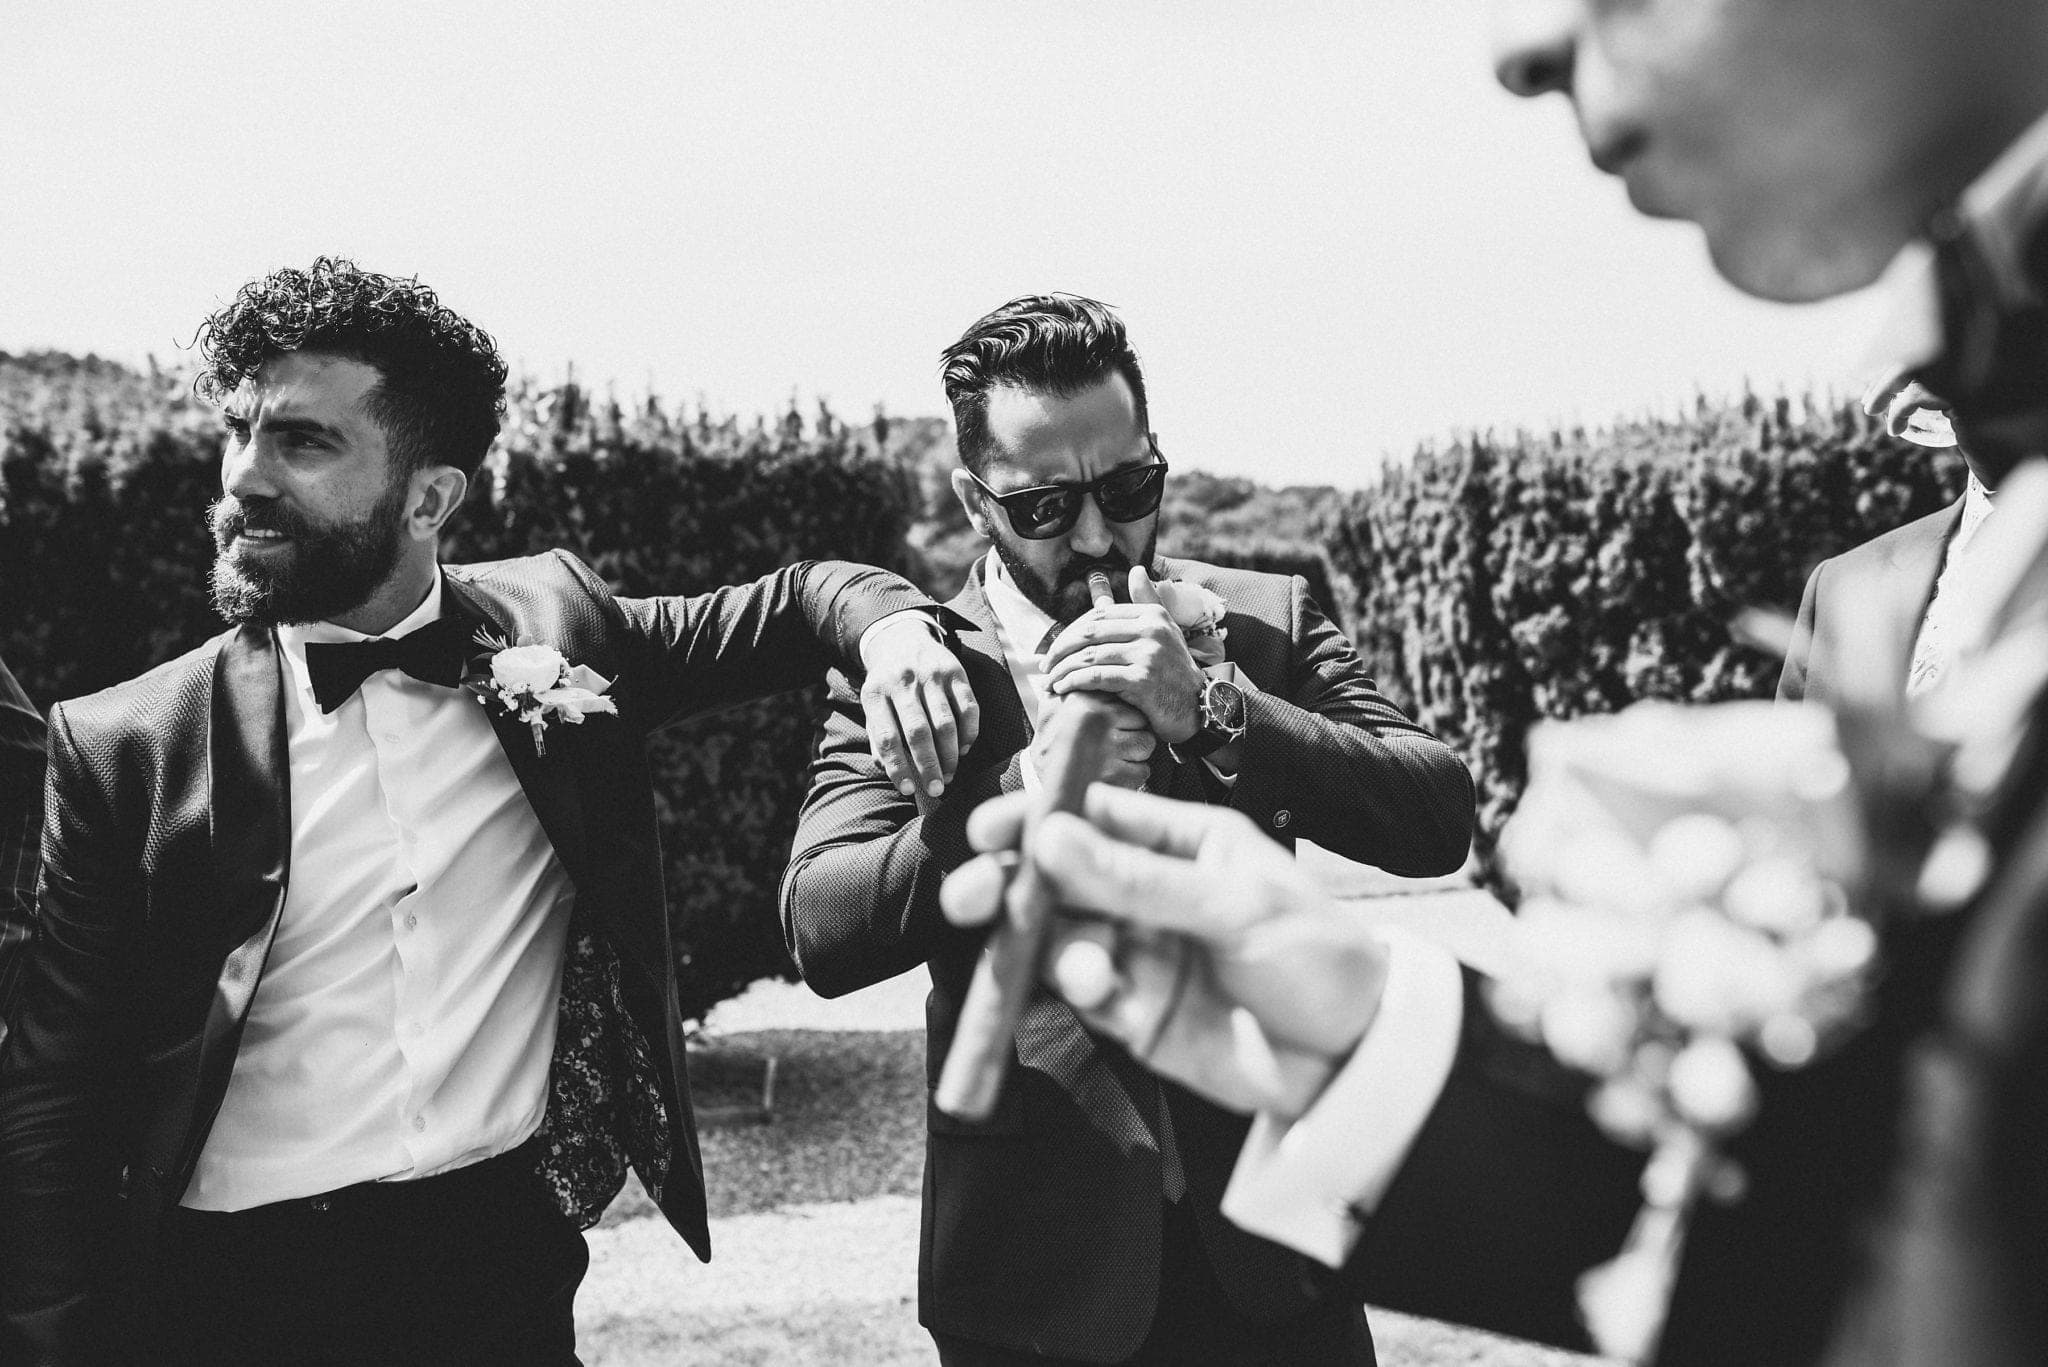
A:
1004	727
547	780
1917	561
249	832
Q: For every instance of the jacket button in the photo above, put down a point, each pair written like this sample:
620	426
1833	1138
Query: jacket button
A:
1281	818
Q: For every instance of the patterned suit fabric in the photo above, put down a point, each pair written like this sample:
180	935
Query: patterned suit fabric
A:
21	828
167	859
1042	1225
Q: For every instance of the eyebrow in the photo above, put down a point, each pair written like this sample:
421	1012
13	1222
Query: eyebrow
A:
302	426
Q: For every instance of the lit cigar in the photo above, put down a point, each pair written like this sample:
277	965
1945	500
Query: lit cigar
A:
1007	973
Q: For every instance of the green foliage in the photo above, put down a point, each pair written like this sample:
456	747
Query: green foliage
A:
1499	582
104	553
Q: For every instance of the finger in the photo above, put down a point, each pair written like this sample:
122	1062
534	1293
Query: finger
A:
966	710
973	893
1124	680
1878	397
1089	656
1081	963
916	729
1120	623
998	824
1165	825
1907	402
938	710
1095	873
1142	588
885	742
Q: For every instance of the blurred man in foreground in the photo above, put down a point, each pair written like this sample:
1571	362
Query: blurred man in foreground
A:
1079	1223
1898	1208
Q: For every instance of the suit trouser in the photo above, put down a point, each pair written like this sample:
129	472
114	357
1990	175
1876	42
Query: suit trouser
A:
1194	1323
476	1265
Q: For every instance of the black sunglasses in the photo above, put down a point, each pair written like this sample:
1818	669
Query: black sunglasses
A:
1049	510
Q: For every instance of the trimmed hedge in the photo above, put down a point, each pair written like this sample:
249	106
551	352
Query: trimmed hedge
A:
104	554
1498	582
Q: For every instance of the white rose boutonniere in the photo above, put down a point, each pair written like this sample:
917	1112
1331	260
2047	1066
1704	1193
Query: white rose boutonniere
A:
1198	612
538	685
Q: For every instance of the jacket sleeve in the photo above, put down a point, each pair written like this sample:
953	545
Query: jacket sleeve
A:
58	1070
1799	654
21	825
710	651
1348	769
860	898
1509	1192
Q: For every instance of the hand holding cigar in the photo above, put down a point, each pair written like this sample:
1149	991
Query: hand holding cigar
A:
972	1078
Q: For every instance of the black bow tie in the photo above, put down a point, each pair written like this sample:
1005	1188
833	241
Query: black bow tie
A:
434	654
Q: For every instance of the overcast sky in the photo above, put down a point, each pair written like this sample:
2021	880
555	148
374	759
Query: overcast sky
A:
1331	235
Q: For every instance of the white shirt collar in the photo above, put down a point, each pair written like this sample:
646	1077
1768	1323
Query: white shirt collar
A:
1023	623
293	636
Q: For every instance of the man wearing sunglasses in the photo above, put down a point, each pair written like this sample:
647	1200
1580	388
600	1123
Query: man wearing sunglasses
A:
1080	1222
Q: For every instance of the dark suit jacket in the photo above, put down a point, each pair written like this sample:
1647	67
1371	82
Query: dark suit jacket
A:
166	863
1041	1232
1906	562
21	824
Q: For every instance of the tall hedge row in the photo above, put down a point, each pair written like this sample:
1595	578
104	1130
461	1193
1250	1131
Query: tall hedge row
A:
1496	582
104	555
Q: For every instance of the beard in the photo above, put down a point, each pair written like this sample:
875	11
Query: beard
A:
1065	597
323	571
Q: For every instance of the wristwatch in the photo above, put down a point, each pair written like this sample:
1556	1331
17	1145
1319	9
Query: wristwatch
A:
1220	714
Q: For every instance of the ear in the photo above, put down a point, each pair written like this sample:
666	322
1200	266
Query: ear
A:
972	502
436	494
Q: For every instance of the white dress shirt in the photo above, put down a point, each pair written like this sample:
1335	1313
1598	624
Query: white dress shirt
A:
1299	1184
1934	650
405	1021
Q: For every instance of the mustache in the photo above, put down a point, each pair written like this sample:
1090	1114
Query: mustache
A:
231	516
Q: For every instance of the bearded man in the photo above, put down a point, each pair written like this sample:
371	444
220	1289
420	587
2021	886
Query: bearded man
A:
350	999
1079	1223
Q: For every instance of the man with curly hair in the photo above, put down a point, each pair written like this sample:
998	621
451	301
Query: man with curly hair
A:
350	999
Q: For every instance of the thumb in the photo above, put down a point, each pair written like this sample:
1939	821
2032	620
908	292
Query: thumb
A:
1142	588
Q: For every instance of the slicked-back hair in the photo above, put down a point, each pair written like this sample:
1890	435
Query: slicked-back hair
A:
1058	344
441	389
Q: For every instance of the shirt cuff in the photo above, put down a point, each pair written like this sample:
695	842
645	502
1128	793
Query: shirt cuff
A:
1308	1184
921	616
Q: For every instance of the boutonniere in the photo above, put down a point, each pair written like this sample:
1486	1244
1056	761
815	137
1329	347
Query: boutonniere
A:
1198	612
538	685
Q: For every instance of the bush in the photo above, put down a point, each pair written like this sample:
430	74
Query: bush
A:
1499	582
104	552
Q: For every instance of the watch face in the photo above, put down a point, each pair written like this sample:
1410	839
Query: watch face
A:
1224	704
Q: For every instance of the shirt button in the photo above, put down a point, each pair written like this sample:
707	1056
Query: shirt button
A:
412	922
419	1122
1281	818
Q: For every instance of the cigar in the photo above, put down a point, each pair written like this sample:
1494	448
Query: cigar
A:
1006	975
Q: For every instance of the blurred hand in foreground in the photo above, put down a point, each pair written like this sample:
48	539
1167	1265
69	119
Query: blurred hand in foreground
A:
1191	939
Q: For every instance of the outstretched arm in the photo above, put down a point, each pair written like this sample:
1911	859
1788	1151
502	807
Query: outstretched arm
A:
710	651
